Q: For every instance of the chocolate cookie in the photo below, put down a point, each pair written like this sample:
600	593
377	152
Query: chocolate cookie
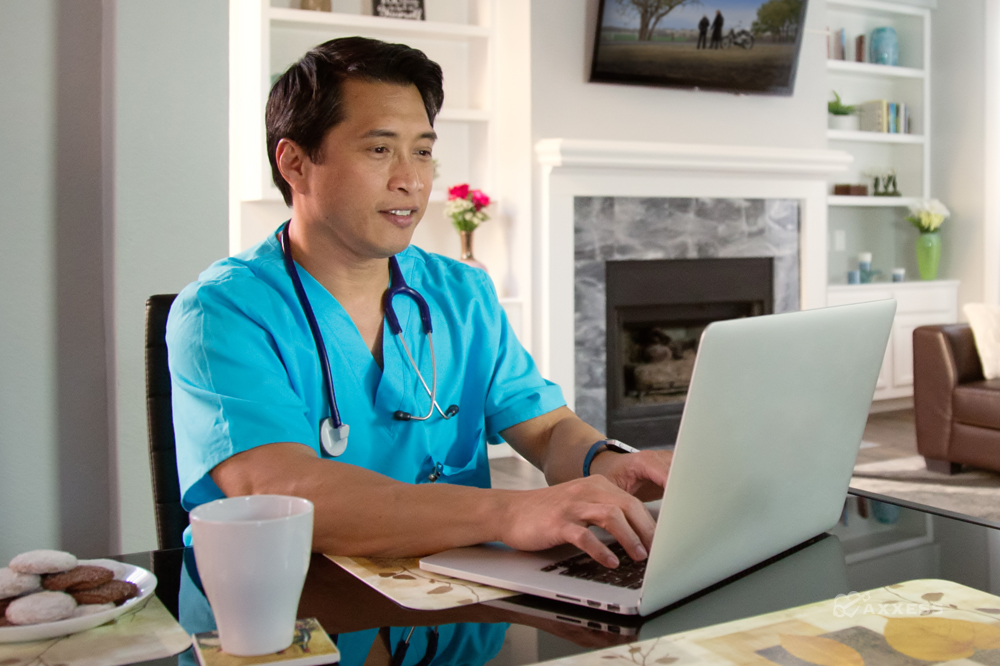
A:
113	592
78	579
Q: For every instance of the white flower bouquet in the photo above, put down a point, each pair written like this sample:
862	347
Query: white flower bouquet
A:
928	215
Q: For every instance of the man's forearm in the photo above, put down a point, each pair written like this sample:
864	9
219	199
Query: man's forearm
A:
360	512
555	443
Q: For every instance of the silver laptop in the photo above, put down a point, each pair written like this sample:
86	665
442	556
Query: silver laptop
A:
814	571
772	425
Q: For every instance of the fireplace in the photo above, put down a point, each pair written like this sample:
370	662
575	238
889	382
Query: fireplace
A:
656	312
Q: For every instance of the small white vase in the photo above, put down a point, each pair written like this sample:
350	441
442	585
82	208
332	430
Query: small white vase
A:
849	123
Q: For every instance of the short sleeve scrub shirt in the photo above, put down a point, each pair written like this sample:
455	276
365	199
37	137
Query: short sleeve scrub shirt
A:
245	372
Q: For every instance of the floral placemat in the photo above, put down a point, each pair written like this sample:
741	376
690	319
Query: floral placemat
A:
148	632
909	624
403	581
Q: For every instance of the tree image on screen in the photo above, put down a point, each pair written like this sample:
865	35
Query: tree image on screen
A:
650	13
779	18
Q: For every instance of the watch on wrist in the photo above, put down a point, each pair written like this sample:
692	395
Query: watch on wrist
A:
610	445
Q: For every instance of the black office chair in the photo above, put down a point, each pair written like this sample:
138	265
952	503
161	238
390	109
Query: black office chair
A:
171	518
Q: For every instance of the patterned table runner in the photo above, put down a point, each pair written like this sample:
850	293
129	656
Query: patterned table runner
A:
149	632
912	623
403	581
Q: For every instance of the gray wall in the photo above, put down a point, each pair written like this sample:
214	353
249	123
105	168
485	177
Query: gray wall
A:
53	423
114	188
170	216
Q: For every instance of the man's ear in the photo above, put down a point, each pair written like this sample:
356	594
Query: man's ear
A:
293	163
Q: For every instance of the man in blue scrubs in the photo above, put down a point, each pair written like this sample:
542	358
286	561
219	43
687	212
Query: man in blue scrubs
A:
350	139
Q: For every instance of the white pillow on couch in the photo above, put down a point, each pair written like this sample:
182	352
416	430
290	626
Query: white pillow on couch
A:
985	322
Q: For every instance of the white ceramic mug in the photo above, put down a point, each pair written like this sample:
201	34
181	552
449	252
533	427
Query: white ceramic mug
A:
253	554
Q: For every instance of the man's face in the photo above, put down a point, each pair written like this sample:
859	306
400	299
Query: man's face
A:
373	179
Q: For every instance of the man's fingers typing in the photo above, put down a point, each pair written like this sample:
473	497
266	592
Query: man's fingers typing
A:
585	540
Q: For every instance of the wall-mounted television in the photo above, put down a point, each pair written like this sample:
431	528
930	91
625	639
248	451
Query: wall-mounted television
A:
738	46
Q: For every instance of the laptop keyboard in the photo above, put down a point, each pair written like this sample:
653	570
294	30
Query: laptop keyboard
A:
629	573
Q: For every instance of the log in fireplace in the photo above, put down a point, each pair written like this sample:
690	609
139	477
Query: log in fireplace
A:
656	312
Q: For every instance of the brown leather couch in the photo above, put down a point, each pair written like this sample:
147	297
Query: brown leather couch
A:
957	410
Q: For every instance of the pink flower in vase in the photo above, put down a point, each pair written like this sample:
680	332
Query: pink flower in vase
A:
480	199
458	191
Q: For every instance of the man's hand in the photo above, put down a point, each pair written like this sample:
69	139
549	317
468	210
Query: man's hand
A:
642	474
538	519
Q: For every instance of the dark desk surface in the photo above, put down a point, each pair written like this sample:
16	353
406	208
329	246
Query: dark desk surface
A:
877	545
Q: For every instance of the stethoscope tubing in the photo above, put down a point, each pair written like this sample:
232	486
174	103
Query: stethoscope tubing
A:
397	286
300	292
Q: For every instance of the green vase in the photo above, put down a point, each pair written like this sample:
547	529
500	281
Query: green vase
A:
928	255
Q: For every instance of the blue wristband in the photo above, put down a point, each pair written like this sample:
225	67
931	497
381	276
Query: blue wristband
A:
611	444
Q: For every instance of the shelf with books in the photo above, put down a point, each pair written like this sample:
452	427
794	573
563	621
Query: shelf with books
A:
874	137
872	69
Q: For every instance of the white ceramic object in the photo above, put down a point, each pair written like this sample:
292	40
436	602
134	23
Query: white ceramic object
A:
144	580
849	123
253	554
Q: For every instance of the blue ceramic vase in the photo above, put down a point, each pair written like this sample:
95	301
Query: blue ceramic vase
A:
884	47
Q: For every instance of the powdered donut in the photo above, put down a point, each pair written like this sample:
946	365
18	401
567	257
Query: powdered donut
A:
117	568
13	584
43	562
115	592
40	607
90	609
77	579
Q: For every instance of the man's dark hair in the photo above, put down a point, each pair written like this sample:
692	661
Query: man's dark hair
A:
306	101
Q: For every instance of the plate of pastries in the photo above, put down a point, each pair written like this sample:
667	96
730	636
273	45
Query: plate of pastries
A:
50	593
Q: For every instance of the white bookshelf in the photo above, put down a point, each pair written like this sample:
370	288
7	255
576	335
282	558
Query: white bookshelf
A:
908	83
876	224
874	137
871	202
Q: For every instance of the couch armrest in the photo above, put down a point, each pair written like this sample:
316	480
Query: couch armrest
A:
935	375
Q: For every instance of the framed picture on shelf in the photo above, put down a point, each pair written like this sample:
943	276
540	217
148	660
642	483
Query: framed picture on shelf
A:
403	9
739	46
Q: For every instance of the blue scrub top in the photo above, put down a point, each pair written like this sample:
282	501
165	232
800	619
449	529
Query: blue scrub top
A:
245	372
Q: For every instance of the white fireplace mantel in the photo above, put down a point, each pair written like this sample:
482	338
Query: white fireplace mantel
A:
586	168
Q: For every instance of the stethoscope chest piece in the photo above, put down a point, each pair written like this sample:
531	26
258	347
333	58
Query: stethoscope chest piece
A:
334	439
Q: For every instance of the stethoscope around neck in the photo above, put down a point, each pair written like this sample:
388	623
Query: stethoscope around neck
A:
333	431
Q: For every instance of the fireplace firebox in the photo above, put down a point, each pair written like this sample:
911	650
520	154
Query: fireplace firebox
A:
656	311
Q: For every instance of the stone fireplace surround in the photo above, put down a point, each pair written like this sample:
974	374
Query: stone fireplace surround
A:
585	168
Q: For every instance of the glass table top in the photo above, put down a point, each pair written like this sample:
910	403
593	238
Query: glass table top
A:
878	542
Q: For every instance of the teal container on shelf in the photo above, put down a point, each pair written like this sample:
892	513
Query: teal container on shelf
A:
884	49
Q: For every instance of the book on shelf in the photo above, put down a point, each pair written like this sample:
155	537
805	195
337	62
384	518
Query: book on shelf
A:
883	116
836	44
859	49
873	116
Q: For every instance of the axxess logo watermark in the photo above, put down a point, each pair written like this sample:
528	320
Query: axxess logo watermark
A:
849	605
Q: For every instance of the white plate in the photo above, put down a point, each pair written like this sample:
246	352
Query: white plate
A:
144	580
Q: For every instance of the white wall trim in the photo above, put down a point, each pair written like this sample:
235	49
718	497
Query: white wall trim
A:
690	157
572	168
